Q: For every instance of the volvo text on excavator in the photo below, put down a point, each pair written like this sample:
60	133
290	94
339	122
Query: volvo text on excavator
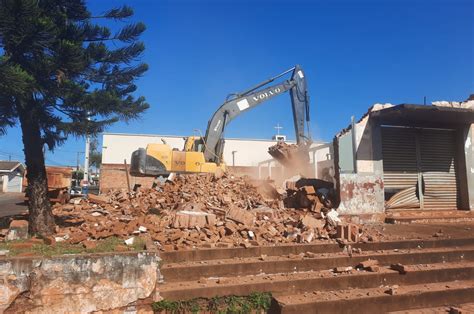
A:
204	154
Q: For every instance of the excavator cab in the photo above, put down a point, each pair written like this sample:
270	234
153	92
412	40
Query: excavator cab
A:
193	144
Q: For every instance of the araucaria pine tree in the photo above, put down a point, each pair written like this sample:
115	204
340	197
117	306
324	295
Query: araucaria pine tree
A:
64	74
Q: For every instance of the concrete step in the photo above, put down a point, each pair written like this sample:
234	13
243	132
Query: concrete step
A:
429	216
228	253
461	307
376	300
174	272
294	283
449	308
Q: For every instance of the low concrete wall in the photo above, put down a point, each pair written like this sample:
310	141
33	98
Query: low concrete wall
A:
361	194
77	283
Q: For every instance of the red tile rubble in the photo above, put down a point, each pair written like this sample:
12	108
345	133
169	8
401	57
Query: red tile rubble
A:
200	210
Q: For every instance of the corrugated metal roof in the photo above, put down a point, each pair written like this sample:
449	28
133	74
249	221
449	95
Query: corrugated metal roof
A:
8	166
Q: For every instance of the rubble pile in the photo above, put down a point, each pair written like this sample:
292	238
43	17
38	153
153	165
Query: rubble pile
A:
290	155
199	210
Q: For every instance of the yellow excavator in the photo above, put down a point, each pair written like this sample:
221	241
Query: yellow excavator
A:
204	154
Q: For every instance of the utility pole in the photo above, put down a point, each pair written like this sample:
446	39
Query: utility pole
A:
86	160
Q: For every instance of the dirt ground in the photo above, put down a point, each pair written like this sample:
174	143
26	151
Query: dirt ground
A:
426	231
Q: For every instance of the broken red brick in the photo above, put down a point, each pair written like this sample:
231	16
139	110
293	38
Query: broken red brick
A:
368	263
241	216
402	269
311	222
98	199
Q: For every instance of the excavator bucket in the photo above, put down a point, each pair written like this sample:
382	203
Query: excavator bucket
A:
290	155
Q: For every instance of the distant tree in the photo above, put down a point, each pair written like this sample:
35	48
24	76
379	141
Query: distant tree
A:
63	74
78	175
95	156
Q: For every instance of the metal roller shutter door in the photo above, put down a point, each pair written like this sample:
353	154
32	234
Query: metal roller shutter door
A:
400	166
438	166
414	157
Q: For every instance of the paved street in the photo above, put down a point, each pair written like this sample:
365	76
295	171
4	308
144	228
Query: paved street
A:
11	204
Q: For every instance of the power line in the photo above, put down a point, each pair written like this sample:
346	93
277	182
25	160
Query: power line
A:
13	154
9	155
49	160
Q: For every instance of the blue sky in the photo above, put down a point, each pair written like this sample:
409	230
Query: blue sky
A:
354	53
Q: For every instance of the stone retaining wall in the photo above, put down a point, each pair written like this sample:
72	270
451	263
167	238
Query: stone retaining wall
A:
77	283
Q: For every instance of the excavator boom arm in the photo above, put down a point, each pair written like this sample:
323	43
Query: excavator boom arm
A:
249	99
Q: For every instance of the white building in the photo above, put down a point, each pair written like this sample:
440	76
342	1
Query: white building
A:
11	176
237	152
245	156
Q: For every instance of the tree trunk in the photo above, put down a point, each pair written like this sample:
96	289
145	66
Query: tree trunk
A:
41	220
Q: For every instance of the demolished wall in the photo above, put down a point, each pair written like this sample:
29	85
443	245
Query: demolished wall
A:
362	192
77	283
113	176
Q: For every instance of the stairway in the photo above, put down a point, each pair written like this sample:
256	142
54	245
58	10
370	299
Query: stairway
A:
301	277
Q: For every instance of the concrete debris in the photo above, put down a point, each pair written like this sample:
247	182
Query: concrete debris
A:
393	290
342	269
130	241
191	211
59	239
333	218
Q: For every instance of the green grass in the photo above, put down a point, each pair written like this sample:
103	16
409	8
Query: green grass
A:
257	302
62	248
